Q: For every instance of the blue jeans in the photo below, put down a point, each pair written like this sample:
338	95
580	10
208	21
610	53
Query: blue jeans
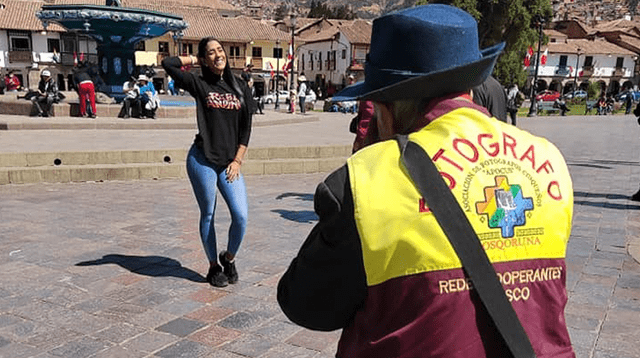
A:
206	178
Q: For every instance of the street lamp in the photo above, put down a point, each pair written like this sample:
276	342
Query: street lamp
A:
292	23
532	109
277	89
575	80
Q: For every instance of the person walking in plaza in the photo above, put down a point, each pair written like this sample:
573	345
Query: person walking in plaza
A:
302	93
514	101
377	264
490	95
46	96
86	90
12	82
215	158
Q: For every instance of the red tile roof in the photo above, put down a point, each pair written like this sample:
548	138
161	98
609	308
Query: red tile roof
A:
591	47
20	15
358	31
201	15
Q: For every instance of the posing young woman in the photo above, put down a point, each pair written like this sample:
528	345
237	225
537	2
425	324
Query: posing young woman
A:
215	158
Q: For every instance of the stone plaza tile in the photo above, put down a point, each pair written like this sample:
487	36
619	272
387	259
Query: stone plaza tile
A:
207	295
17	350
276	329
151	318
272	280
179	306
84	347
214	336
250	345
151	300
258	291
622	344
119	332
210	314
181	327
122	311
127	279
185	348
119	352
583	339
150	341
242	320
289	351
315	340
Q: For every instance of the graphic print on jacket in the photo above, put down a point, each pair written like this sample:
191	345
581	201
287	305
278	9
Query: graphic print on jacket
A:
516	191
223	101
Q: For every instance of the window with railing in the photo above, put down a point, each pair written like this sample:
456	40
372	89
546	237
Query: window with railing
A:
163	47
187	49
588	61
53	45
19	41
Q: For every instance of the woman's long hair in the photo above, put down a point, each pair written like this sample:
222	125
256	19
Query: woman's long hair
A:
227	75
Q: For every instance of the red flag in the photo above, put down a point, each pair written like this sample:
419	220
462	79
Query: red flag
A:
287	67
81	56
75	59
543	59
527	57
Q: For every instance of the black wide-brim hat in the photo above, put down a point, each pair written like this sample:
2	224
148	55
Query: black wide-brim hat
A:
422	52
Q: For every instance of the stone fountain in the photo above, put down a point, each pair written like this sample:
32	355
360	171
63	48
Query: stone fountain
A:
116	31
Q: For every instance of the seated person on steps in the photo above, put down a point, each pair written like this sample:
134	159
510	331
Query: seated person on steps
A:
131	106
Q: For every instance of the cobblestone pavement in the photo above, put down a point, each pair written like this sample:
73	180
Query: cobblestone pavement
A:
115	269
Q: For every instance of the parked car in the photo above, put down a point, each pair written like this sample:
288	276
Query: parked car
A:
283	97
548	96
578	94
311	97
622	96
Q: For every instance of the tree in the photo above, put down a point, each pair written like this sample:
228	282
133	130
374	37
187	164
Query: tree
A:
509	21
320	9
280	12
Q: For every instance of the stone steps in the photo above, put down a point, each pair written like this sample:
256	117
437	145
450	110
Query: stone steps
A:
61	167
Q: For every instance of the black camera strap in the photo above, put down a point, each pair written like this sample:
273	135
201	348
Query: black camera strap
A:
467	246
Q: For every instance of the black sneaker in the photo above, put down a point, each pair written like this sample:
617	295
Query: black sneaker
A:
636	196
229	267
216	278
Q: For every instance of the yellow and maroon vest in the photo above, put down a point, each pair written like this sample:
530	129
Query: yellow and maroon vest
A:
516	191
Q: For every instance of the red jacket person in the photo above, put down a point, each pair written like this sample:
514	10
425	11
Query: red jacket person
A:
377	264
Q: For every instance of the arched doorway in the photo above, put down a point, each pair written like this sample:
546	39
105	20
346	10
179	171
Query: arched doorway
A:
614	88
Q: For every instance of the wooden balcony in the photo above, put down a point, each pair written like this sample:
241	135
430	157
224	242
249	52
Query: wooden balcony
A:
587	71
236	62
66	58
256	62
20	56
618	72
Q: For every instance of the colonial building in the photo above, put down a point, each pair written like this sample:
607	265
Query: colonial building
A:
577	55
27	47
333	50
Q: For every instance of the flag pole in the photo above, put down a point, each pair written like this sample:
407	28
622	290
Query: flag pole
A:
532	108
